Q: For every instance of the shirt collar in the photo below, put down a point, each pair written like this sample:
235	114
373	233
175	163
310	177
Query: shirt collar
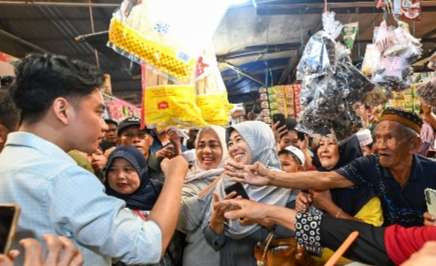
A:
21	138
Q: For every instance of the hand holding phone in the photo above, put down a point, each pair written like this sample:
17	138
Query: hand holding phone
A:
430	198
8	221
238	188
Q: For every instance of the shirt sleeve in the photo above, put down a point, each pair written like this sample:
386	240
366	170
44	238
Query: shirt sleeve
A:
80	209
192	213
214	240
402	242
359	171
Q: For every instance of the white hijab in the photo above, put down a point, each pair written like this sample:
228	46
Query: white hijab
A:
261	142
199	173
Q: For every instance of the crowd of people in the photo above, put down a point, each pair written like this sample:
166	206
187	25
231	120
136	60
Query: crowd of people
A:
95	191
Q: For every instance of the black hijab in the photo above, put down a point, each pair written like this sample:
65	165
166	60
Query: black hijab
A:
148	191
352	199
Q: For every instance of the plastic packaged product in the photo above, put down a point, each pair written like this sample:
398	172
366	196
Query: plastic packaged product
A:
371	60
427	91
186	105
398	50
349	33
329	93
149	32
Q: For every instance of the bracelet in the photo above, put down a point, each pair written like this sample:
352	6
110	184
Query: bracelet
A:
338	213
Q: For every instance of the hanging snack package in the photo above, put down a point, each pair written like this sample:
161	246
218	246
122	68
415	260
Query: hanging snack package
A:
328	94
371	60
211	91
398	50
349	33
167	104
427	91
149	32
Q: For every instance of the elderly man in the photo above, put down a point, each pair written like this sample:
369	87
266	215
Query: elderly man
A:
396	175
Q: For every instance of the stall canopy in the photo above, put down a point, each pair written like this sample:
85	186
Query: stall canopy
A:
258	43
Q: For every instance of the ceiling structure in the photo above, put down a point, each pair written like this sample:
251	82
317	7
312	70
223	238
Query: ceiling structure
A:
256	45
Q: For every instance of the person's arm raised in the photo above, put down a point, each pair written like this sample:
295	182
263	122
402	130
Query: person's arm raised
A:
166	210
251	210
258	174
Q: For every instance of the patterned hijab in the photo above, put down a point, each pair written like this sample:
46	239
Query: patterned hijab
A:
260	140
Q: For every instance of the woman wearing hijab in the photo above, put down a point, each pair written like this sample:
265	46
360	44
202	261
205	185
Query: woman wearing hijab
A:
210	154
356	203
127	178
248	142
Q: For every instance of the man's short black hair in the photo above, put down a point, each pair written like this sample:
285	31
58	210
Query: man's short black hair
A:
41	78
8	112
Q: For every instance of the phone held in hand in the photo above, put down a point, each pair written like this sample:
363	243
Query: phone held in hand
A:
9	214
238	188
278	117
430	198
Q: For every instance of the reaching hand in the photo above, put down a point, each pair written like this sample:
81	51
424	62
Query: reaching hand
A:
303	201
175	166
245	210
219	208
61	252
426	256
279	131
256	174
321	199
429	219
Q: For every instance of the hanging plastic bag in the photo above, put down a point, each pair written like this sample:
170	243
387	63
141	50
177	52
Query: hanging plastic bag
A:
398	50
349	33
167	104
211	91
329	93
172	105
371	60
148	31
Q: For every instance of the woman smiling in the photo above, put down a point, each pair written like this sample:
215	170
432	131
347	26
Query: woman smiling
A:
247	142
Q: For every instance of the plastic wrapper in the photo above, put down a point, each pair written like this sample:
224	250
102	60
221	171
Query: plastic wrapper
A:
349	33
318	56
172	105
211	91
168	39
186	105
427	91
398	50
371	60
329	93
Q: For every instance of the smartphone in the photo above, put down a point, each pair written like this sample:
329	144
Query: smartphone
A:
278	117
8	221
430	198
238	188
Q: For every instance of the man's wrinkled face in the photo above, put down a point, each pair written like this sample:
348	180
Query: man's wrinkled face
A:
390	144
